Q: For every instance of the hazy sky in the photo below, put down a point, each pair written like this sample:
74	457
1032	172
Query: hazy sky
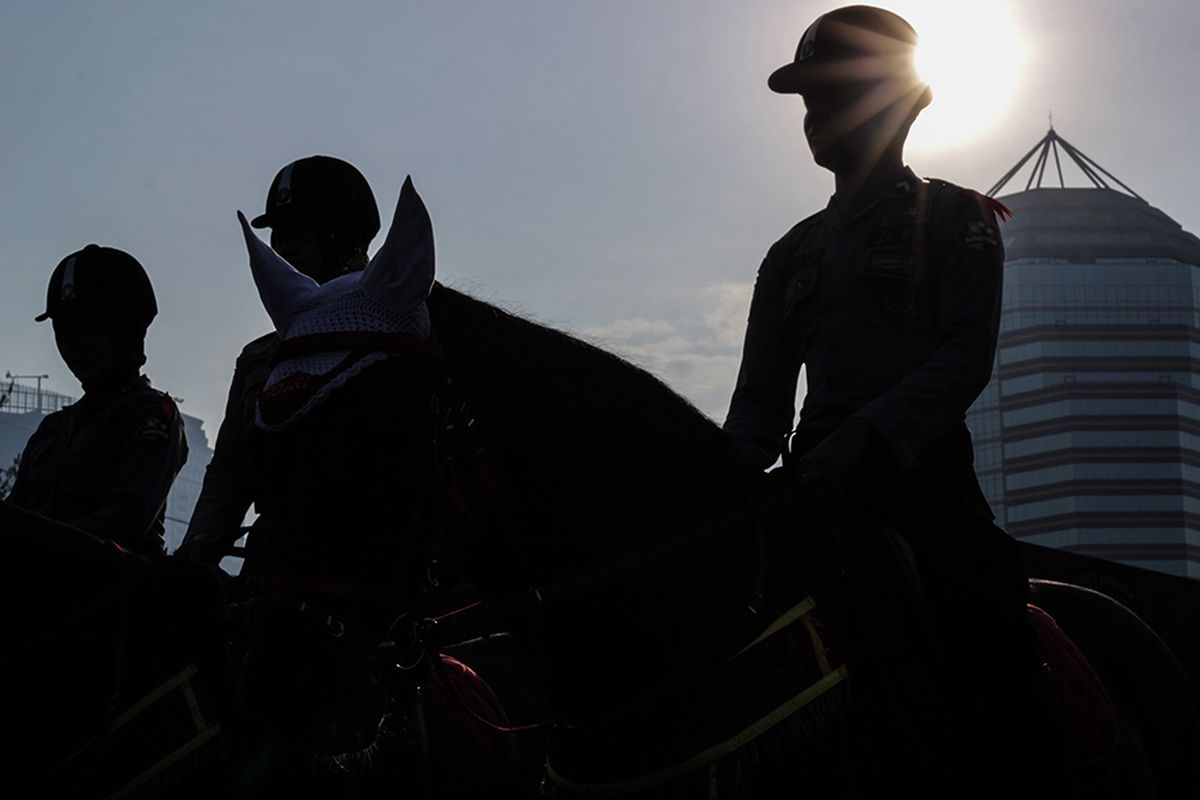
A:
615	168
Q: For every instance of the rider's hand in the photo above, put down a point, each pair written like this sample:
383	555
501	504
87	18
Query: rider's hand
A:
826	465
204	549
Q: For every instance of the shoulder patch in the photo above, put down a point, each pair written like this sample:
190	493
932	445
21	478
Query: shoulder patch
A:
155	427
981	235
982	212
159	417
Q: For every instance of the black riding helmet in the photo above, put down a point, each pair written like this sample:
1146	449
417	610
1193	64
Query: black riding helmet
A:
852	45
102	284
325	194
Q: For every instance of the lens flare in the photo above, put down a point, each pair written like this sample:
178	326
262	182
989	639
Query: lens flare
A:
972	53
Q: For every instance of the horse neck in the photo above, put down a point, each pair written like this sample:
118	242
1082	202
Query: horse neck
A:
570	425
596	461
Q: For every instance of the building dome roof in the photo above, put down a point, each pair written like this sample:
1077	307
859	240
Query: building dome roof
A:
1085	224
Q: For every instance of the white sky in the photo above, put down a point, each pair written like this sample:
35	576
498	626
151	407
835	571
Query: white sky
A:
615	168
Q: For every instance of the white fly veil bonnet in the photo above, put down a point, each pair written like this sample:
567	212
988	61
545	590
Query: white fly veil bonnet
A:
327	332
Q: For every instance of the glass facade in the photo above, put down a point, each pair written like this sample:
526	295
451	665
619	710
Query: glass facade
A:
1088	435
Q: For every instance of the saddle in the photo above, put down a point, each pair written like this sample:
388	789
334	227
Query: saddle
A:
1088	717
1080	721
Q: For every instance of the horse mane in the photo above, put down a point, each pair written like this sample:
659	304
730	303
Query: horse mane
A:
582	422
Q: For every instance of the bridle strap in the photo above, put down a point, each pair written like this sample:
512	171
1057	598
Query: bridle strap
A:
273	585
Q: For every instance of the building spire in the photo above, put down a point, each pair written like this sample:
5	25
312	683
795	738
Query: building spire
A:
1052	142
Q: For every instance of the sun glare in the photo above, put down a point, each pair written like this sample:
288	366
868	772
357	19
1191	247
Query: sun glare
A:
972	54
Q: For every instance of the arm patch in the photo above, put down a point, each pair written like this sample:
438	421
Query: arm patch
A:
155	427
160	418
981	235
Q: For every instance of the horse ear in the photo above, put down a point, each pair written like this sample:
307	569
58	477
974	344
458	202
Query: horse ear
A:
401	273
280	285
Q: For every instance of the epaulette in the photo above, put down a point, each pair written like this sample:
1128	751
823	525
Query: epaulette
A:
990	203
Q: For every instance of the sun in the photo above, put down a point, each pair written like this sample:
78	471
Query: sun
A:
972	53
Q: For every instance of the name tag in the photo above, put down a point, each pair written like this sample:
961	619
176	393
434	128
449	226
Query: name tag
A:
890	264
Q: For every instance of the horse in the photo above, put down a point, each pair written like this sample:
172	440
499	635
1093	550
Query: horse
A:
445	450
117	679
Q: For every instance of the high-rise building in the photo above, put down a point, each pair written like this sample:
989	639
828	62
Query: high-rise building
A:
23	407
1088	436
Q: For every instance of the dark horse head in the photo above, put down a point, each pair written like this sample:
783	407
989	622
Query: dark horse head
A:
411	435
335	444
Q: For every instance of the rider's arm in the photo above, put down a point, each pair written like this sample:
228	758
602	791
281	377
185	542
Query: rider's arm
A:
227	492
763	406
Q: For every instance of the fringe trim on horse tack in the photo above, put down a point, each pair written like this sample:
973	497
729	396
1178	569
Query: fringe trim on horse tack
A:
800	729
710	755
180	762
204	754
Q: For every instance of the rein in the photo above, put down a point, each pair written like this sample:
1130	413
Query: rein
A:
120	592
480	618
471	620
122	636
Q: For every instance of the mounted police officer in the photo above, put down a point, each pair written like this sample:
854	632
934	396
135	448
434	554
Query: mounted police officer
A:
890	298
105	463
322	215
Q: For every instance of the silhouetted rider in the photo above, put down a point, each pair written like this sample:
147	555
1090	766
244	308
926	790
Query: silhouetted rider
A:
322	215
105	463
890	298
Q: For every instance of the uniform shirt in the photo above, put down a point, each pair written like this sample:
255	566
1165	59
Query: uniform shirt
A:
230	486
105	465
894	312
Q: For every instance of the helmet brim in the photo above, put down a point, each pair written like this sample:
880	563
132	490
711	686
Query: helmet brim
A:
791	78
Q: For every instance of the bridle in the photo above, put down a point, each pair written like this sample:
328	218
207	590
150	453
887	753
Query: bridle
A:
440	492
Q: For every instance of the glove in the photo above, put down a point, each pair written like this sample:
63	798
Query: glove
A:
827	464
